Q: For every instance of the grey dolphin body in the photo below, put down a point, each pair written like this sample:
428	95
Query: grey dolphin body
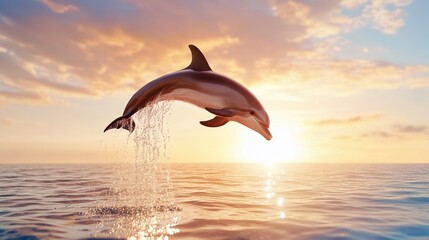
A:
199	85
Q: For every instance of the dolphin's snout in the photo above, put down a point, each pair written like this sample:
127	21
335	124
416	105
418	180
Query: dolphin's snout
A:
263	128
265	124
267	134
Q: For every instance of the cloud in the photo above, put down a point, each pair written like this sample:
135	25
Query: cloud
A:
374	135
385	15
86	54
96	48
411	128
370	136
396	131
323	19
18	75
381	134
352	76
345	121
6	121
58	7
401	131
319	19
23	96
350	4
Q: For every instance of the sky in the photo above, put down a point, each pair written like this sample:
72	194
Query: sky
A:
343	81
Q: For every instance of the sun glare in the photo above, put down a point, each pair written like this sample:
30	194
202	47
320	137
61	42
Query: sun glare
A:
284	147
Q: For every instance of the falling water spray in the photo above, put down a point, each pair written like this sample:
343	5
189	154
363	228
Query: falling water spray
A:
140	204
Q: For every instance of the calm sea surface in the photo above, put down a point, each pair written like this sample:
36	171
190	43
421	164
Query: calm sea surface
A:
215	201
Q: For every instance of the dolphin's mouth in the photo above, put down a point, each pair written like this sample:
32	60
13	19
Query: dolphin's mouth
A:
267	134
263	129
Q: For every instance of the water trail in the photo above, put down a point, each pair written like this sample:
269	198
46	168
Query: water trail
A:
141	204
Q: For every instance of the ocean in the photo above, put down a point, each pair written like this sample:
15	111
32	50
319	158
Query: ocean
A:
215	201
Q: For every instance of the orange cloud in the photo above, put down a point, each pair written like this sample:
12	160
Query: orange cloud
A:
319	20
23	96
6	121
27	82
89	52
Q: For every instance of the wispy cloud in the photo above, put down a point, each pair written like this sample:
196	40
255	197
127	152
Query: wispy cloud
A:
396	131
345	121
23	96
59	7
371	135
381	134
25	81
403	128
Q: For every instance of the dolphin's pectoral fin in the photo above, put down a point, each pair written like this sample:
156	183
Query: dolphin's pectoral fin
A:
199	62
224	112
215	122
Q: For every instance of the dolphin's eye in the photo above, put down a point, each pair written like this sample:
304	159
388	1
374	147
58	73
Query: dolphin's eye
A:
252	112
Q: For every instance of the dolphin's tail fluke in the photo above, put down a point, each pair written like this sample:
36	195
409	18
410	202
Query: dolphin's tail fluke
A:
122	122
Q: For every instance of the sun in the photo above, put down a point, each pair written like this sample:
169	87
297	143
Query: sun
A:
283	147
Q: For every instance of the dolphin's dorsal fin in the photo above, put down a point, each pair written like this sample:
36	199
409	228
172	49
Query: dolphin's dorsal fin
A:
199	62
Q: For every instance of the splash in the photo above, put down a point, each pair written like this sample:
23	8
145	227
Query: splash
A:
140	205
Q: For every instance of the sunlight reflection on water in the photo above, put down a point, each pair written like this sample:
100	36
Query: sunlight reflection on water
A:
272	197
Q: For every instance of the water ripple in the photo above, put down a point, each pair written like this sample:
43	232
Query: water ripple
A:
231	201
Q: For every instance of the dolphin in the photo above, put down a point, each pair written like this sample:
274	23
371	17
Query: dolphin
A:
197	84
